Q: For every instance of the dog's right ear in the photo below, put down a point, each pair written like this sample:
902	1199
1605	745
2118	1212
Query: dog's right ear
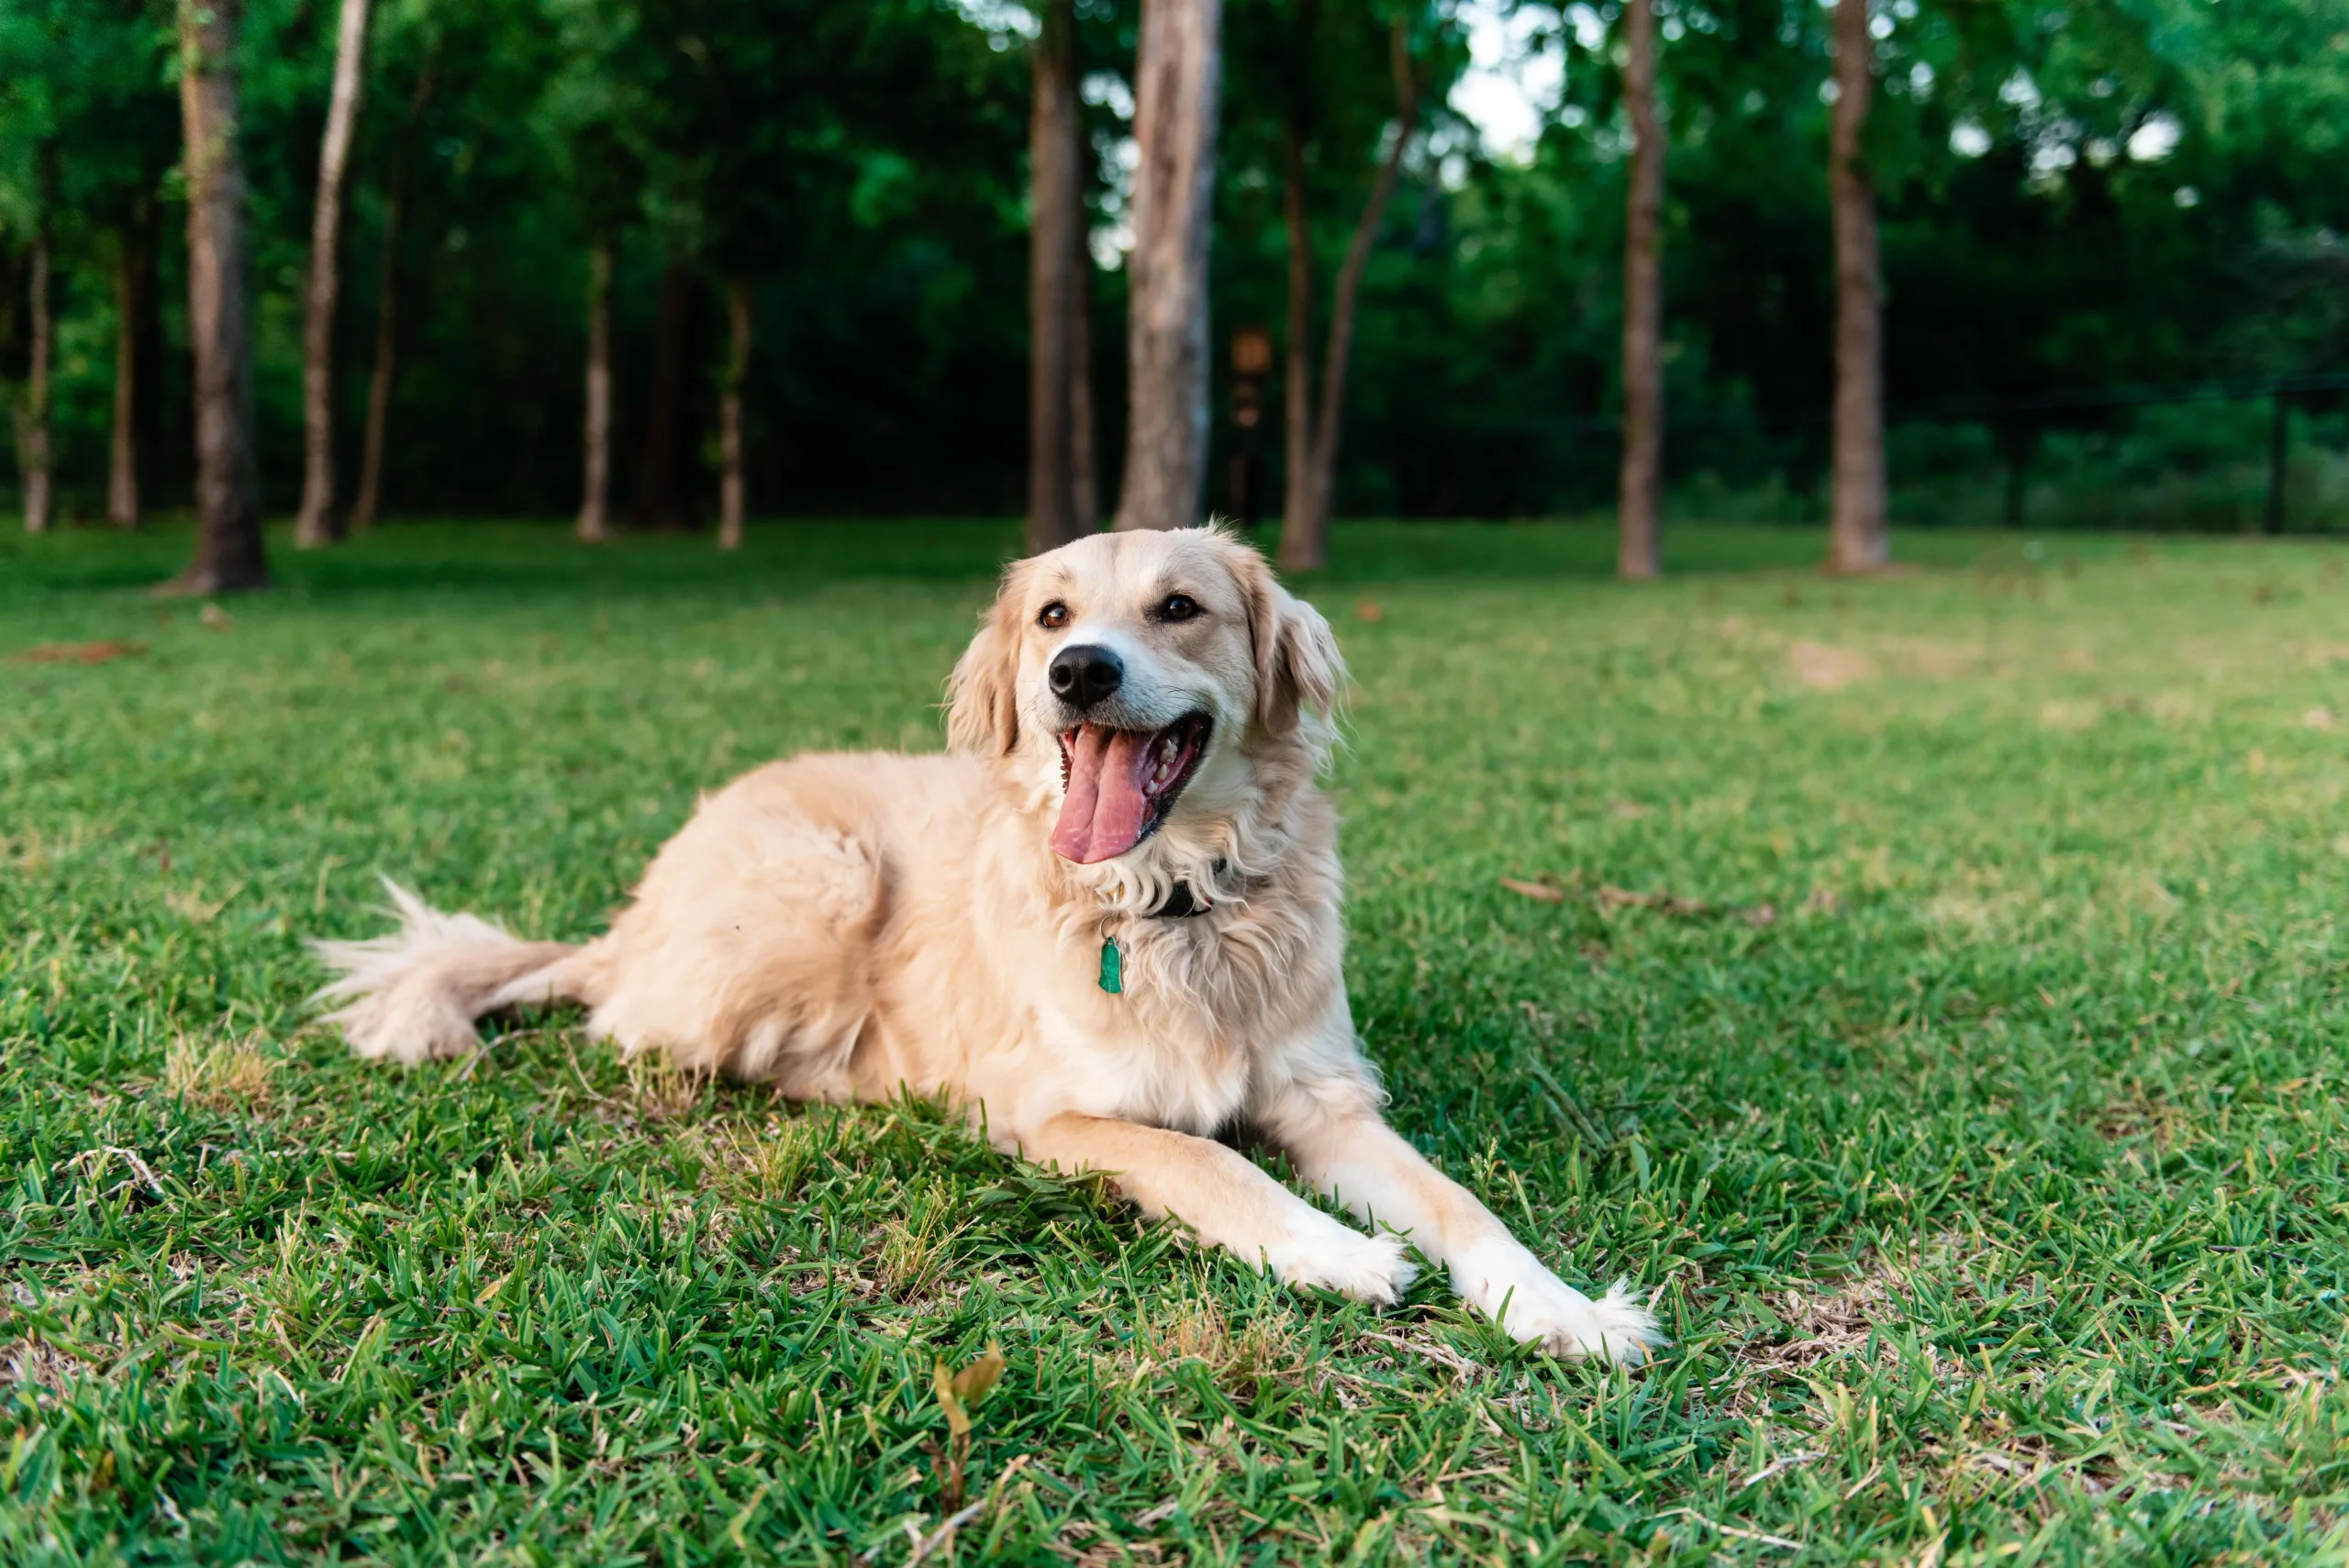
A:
982	694
1299	667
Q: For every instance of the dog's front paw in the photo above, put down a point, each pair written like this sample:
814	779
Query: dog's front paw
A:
1368	1268
1535	1306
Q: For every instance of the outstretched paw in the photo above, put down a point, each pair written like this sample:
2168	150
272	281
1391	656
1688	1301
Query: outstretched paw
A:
1615	1328
1535	1306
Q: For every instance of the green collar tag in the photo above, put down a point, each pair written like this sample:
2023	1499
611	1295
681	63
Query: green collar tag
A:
1113	967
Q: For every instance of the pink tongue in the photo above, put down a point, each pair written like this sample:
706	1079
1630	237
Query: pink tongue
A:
1103	812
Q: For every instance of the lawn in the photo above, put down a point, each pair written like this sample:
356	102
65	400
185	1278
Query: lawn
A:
1935	990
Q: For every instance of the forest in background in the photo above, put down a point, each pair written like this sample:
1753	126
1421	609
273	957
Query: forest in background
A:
2114	192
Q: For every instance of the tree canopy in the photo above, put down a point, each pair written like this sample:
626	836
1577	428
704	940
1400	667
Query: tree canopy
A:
2073	193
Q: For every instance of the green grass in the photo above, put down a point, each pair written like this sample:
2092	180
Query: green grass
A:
1992	1186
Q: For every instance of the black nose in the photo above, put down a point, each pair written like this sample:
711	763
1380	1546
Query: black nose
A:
1084	675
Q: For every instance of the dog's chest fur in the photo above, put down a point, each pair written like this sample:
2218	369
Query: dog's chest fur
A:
1205	1001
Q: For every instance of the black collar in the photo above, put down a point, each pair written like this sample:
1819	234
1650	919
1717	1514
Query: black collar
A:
1181	903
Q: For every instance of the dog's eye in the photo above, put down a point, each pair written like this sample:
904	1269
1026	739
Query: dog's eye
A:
1178	607
1052	617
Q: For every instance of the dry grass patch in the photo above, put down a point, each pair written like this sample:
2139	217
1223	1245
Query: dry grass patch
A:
1826	1324
1240	1358
190	904
222	1074
765	1163
914	1254
34	1364
1826	668
1930	660
2069	714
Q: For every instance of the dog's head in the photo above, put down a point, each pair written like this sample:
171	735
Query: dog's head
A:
1156	683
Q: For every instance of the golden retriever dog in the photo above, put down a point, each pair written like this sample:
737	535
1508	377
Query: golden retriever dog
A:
1105	923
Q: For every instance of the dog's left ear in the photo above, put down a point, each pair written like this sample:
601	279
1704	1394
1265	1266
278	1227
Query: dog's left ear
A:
982	694
1299	667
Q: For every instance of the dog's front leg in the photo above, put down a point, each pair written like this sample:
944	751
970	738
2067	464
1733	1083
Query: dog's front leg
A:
1350	1154
1219	1194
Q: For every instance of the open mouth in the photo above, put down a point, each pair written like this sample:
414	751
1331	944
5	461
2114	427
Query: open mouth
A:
1116	785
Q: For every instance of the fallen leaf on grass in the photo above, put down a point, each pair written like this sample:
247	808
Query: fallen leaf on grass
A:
1828	668
1823	901
1540	892
77	653
1369	612
2318	718
215	617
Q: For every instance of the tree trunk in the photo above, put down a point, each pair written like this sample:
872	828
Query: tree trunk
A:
1857	540
730	416
315	525
1297	380
1052	240
33	455
660	501
2018	443
1177	73
384	378
147	345
2279	453
1640	501
1305	532
380	379
596	464
1083	461
228	551
134	279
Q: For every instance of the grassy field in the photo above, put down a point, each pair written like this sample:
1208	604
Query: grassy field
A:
1943	1009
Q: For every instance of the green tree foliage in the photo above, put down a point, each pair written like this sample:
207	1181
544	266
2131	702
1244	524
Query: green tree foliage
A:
2072	194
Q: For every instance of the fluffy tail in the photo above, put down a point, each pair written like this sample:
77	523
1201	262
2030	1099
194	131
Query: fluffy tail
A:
415	993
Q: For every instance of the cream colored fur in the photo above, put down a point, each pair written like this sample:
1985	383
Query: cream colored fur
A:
842	927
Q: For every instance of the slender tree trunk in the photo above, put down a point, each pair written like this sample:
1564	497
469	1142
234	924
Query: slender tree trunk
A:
731	496
1304	533
596	464
228	553
383	380
147	347
1084	460
315	525
2018	443
1296	382
1640	503
380	379
1178	80
133	277
2280	453
660	501
33	454
1052	240
1857	539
